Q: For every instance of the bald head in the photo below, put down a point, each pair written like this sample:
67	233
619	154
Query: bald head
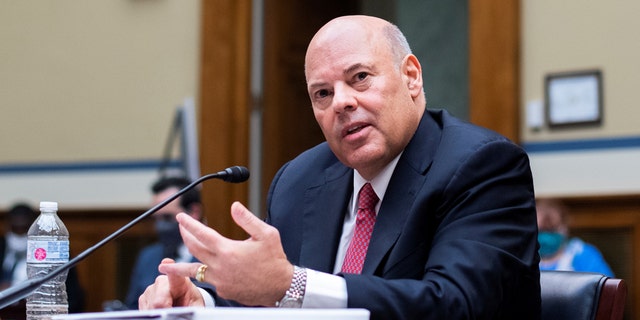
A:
343	30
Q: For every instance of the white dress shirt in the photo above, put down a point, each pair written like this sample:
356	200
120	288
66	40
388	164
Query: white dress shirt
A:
328	290
324	290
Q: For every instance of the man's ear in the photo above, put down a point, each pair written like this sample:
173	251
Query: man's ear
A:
412	72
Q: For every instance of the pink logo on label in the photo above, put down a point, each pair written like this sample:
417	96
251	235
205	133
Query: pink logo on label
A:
40	254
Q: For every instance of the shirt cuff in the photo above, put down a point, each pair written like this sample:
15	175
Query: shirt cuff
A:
208	299
324	290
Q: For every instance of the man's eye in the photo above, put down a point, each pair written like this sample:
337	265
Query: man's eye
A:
361	76
322	93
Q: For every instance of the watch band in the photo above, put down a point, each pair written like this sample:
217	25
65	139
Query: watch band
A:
293	297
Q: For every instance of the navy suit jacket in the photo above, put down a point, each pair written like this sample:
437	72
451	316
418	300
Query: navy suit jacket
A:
455	236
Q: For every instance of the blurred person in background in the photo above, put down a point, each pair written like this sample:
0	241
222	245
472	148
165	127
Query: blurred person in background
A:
169	244
13	246
13	252
559	251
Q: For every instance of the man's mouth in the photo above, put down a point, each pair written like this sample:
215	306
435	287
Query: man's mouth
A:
355	129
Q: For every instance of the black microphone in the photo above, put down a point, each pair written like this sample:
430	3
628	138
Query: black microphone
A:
235	174
12	294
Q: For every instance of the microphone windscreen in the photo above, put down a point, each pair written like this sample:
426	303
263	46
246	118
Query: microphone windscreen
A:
236	174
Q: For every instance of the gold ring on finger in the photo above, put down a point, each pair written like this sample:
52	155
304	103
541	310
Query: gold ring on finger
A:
200	273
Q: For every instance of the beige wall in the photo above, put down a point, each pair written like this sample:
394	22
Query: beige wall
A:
85	82
574	35
93	80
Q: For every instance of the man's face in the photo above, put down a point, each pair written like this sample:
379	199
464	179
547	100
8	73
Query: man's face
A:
549	219
171	209
361	99
166	225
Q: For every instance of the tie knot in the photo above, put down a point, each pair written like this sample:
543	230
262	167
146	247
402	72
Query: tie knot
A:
367	198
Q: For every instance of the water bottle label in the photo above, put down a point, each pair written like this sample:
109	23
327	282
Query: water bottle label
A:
47	251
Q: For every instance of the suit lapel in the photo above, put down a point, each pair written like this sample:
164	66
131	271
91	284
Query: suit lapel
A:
325	209
406	181
326	204
392	216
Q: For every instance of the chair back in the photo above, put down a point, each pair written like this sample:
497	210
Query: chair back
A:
568	295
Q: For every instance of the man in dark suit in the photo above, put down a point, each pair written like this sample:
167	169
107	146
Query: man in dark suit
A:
454	230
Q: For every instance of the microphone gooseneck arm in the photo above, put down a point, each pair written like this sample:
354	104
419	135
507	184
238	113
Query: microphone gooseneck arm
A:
10	295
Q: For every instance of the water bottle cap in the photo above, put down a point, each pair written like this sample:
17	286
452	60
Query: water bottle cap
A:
48	205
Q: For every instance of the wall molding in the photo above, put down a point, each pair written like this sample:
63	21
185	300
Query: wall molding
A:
582	144
49	167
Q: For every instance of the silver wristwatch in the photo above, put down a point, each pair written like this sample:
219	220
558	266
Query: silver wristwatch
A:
293	297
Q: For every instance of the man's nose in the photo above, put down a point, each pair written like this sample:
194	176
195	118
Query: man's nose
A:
344	98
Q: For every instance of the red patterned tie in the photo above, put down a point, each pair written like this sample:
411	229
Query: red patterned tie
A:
365	219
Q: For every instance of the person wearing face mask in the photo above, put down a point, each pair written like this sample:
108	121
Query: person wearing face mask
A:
13	246
13	250
558	251
169	244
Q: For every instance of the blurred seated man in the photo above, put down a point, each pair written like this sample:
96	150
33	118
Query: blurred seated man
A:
558	251
169	243
13	252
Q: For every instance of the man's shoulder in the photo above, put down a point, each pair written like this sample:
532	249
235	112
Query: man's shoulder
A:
580	247
319	160
452	125
312	167
446	136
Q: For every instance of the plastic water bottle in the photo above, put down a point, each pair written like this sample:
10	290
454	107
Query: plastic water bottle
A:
47	249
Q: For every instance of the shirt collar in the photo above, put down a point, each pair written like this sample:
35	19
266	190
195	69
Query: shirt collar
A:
379	182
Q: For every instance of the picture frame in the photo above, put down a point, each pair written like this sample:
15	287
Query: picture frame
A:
573	98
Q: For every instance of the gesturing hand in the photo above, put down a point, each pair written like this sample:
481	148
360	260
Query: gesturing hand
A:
254	271
169	291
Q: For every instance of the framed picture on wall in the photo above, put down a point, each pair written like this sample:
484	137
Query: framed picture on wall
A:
573	98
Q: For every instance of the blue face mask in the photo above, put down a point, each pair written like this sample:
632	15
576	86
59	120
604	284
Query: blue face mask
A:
550	243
